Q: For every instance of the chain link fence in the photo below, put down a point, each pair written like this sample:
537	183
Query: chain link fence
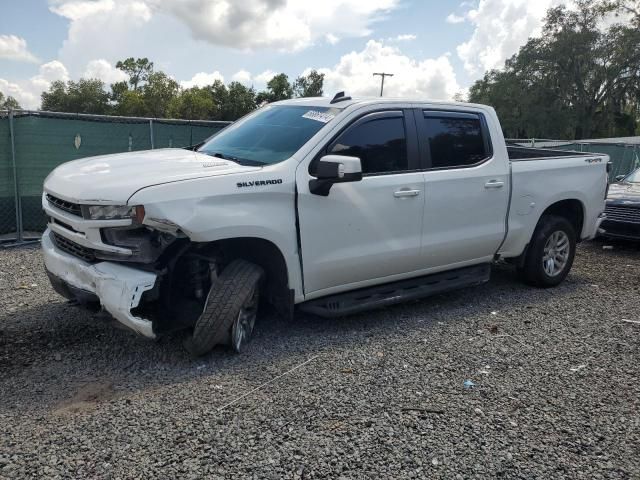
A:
33	143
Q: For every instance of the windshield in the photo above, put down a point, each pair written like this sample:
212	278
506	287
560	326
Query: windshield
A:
271	135
633	177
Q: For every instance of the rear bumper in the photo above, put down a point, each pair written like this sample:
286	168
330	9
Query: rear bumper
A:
118	288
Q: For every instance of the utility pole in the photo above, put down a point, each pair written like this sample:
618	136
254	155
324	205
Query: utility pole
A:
382	75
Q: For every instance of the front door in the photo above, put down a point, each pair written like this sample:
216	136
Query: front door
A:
368	230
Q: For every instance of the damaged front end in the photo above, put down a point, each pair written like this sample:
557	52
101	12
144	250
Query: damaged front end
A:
117	287
152	280
160	287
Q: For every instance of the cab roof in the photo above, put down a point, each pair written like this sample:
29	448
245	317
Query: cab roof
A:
348	101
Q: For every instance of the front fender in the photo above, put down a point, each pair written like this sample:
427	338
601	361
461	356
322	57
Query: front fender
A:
218	208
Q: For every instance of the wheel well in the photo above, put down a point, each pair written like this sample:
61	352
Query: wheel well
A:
267	255
572	210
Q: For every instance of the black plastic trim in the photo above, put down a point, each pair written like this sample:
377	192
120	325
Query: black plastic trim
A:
548	153
70	292
396	292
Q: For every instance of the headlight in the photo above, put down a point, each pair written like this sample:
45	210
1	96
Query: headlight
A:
114	212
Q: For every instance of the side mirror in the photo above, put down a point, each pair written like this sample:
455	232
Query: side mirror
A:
335	169
619	178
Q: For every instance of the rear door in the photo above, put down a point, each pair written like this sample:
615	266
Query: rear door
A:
466	185
364	231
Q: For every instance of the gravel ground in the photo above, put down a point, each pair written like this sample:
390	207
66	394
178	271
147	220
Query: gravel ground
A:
376	395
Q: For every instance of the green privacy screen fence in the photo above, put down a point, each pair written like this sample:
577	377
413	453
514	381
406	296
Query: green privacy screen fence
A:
625	158
34	143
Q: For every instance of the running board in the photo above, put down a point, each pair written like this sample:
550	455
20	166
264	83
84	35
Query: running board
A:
397	292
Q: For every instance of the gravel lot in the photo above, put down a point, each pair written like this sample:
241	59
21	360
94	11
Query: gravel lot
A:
381	394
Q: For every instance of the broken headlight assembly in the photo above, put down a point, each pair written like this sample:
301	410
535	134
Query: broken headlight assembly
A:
145	244
114	212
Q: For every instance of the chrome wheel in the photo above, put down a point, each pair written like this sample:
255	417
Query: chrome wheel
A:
556	253
244	323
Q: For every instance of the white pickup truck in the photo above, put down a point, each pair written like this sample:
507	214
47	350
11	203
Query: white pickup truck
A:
329	205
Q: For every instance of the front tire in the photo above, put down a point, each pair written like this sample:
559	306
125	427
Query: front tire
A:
550	254
230	310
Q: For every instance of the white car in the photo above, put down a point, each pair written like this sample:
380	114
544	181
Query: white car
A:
330	205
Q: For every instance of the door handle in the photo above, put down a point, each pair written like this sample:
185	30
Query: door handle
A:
406	193
494	184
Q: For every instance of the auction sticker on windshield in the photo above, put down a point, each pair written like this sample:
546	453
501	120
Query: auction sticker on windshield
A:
323	117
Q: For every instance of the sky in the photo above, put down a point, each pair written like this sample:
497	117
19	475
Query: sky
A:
435	49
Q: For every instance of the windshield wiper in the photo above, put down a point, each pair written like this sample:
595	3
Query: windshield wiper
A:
240	161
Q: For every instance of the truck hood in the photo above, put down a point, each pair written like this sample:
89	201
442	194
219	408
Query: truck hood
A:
114	178
624	193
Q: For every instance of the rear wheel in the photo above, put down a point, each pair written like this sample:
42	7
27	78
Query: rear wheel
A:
550	254
230	310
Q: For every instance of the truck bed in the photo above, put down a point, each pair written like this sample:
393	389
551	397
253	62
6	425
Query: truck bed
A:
541	177
519	153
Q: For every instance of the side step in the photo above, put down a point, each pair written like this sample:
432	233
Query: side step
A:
397	292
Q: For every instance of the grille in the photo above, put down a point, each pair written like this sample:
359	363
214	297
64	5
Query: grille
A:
623	213
72	208
73	248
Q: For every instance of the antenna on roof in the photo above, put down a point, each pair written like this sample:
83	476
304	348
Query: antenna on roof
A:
340	97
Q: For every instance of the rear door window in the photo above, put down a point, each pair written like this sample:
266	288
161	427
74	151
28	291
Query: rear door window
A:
454	139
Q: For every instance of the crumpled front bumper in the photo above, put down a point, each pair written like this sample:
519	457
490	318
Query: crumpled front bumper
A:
118	287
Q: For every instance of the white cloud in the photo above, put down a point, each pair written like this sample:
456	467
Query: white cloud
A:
15	48
501	28
202	79
431	78
243	77
28	92
288	25
405	38
104	29
25	98
54	70
103	70
453	18
48	73
75	10
263	78
331	38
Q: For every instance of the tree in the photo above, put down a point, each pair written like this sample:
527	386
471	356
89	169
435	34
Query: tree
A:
578	80
192	104
149	93
83	96
130	104
9	103
278	88
139	70
629	8
240	101
220	96
158	93
309	85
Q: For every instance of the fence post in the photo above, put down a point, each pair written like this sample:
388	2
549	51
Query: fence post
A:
151	132
16	190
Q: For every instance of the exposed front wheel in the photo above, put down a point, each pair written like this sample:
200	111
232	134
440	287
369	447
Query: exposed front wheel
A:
230	310
550	254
